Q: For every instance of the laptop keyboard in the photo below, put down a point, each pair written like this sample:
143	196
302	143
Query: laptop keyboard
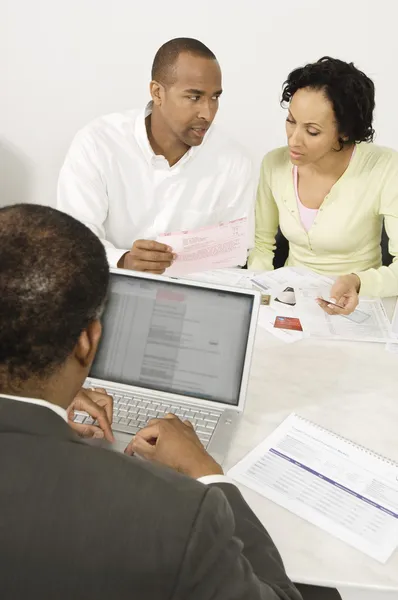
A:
132	413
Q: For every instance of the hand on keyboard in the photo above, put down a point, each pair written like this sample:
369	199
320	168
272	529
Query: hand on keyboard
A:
99	405
175	444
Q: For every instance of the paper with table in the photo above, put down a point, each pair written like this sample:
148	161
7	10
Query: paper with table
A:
216	247
343	488
368	323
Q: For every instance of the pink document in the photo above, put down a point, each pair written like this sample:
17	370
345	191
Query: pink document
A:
208	248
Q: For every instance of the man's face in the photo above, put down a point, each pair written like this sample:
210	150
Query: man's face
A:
189	103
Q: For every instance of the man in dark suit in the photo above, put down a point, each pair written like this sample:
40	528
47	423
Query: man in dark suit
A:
84	522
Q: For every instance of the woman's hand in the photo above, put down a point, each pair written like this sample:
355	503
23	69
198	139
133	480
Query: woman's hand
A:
344	294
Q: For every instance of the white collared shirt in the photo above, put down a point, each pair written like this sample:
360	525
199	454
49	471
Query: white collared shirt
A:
114	183
61	412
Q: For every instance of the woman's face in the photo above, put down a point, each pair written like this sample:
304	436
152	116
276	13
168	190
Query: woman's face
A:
311	127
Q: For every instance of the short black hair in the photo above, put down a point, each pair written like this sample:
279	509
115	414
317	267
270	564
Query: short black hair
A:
54	278
168	54
351	92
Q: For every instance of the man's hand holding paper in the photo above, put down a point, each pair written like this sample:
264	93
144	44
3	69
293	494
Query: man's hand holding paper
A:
216	247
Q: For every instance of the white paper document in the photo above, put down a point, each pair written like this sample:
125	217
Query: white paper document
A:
277	284
343	488
230	277
392	347
368	323
296	277
217	247
266	320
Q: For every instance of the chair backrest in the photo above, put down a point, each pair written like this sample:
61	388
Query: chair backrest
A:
281	250
386	256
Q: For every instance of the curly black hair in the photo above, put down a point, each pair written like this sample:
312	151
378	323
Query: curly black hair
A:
350	91
54	278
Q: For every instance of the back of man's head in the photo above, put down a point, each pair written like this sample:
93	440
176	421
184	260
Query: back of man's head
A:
167	55
53	282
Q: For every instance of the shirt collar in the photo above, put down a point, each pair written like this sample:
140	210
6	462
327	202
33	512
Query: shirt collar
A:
153	159
54	407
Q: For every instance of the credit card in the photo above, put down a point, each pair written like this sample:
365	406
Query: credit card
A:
288	323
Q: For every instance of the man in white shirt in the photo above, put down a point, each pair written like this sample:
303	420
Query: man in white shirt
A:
82	522
134	175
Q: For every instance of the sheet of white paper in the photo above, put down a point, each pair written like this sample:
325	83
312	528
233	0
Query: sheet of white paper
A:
275	284
266	320
376	328
208	248
291	276
342	488
394	328
233	277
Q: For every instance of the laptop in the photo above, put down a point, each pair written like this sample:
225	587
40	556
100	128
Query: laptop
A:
175	346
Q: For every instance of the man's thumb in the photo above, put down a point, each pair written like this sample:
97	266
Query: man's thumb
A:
143	448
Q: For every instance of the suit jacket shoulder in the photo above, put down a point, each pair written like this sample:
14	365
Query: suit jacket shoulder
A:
79	521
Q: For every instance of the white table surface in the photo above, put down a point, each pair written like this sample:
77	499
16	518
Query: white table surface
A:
350	388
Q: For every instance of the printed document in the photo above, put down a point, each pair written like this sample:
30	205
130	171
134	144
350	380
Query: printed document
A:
208	248
230	277
368	323
343	488
297	277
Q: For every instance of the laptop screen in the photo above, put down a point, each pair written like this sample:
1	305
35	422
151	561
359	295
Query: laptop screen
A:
175	338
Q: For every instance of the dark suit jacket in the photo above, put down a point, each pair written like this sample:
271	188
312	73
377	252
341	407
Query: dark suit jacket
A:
78	522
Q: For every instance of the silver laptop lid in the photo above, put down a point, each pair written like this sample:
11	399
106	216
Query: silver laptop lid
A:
177	336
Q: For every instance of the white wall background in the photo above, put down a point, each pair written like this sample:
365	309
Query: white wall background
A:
63	63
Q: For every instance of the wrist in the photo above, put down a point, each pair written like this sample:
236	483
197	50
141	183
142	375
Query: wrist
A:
120	262
205	468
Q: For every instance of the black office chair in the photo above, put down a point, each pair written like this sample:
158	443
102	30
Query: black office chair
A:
282	249
386	256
